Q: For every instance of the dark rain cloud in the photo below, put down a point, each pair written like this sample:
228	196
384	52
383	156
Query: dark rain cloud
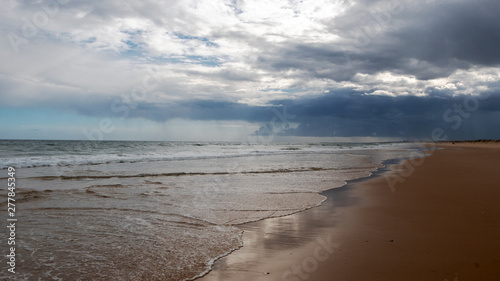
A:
347	113
426	40
407	117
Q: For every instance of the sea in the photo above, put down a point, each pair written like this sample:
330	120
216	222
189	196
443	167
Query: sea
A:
137	210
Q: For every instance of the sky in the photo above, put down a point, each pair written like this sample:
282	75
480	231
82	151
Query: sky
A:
236	70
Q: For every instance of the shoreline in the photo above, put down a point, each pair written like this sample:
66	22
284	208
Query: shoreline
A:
268	244
414	231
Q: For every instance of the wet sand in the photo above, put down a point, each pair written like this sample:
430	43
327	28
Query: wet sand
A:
436	218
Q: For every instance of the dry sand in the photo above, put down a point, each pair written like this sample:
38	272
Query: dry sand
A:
439	221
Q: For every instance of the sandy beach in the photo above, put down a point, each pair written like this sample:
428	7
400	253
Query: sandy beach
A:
435	218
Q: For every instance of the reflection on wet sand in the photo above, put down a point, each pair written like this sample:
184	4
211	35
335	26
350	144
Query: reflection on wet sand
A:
271	244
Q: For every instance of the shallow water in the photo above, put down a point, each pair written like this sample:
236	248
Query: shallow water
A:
161	211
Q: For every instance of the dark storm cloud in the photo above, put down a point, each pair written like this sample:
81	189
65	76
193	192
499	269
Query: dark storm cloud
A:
355	114
426	40
465	31
346	113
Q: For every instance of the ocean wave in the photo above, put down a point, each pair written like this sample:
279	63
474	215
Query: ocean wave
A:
27	195
72	160
179	174
28	154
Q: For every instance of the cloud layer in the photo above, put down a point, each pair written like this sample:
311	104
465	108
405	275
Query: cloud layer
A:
344	68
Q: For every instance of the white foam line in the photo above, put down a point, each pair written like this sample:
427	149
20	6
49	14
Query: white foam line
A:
211	262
